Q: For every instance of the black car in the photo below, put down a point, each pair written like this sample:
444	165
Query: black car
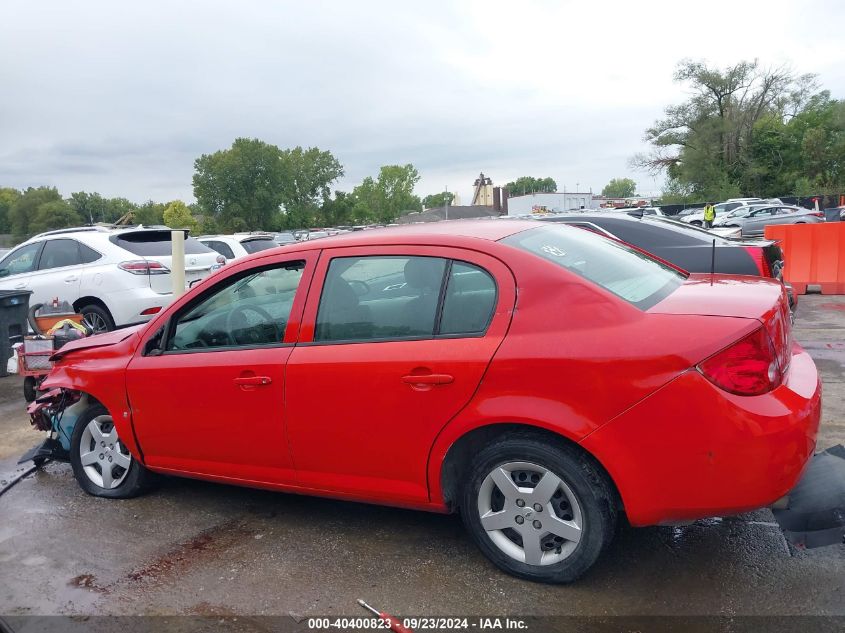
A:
683	245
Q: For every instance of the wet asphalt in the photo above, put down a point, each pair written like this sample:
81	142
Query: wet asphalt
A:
205	549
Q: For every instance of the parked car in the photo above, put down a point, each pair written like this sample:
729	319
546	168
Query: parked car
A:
284	238
752	220
537	378
113	277
723	208
685	246
239	245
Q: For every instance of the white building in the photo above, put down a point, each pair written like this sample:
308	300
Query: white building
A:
551	202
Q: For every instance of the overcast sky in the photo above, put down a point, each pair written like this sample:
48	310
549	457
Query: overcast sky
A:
122	97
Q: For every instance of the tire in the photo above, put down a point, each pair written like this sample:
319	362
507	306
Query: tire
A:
578	493
126	476
29	389
696	223
97	318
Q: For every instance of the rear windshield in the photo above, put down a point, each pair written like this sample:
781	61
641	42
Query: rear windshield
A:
156	244
253	246
615	266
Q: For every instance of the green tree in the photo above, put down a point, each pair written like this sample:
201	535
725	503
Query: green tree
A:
53	215
436	200
309	176
150	213
528	184
337	210
620	188
8	197
745	130
24	210
177	215
246	182
385	198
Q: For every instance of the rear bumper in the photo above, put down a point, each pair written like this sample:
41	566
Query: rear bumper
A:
691	450
126	306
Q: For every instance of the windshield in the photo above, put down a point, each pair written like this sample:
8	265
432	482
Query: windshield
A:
615	266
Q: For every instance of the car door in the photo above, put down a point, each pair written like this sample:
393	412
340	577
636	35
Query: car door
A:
757	221
207	387
393	345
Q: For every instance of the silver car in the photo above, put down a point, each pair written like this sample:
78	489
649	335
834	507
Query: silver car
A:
754	218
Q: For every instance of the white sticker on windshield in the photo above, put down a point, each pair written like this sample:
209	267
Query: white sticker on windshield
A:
554	251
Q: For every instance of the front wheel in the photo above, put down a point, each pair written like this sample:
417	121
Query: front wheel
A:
102	464
537	510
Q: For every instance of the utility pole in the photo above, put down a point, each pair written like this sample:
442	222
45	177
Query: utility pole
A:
446	200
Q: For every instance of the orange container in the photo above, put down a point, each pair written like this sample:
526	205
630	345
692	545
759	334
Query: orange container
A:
46	322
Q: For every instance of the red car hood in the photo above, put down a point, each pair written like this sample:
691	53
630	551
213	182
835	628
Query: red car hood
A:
97	340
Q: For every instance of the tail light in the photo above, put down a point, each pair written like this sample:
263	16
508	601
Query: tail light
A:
759	258
749	367
818	214
144	267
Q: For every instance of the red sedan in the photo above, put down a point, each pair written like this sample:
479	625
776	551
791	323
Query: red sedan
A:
538	379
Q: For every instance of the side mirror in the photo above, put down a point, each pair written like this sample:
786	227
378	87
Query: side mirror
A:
4	272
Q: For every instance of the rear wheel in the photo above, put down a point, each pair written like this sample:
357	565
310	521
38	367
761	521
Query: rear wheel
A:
539	511
97	318
102	464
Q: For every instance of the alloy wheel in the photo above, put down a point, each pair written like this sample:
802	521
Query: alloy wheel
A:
530	513
96	323
104	458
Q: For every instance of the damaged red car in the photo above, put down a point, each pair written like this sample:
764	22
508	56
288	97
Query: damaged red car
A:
540	380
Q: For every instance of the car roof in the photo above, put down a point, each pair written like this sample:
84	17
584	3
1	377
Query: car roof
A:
449	232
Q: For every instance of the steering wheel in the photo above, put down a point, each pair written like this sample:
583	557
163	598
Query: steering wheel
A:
239	311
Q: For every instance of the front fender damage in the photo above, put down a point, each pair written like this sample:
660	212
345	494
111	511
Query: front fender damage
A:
56	412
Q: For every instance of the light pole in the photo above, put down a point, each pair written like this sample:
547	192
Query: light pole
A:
446	200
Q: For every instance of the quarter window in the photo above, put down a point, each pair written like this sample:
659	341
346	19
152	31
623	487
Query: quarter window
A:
249	310
469	300
377	298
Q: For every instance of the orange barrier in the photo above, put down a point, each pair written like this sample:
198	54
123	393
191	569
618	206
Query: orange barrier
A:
814	254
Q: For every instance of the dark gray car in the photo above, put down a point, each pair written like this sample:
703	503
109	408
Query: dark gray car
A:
753	219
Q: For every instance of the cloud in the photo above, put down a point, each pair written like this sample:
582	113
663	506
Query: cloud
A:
121	98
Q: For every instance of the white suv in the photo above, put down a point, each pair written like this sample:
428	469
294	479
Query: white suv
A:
113	277
240	244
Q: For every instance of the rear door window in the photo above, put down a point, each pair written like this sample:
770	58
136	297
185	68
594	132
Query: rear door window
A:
221	247
59	253
380	298
614	266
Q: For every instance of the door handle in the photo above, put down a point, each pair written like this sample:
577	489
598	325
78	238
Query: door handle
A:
252	381
428	379
20	285
70	278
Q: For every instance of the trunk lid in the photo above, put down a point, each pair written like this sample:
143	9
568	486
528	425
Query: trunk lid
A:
736	296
